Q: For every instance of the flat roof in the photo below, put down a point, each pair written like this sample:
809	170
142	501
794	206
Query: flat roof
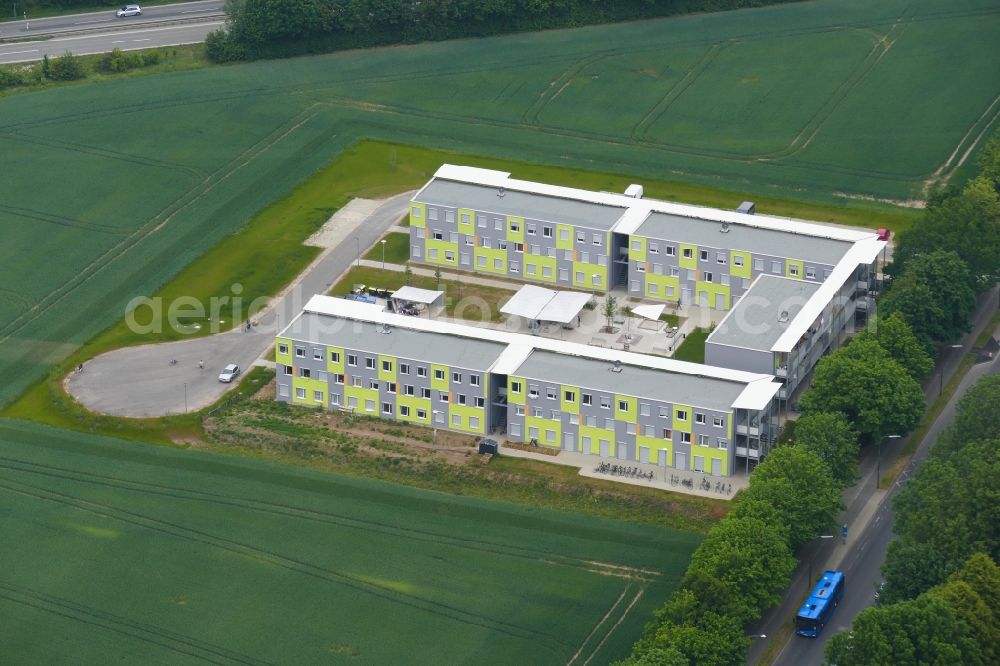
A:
633	380
533	302
753	390
515	202
756	321
707	233
417	295
460	352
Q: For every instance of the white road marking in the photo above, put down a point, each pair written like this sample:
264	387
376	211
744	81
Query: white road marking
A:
16	52
120	41
195	11
141	40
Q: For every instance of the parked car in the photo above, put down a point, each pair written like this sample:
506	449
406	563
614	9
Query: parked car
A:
229	373
129	10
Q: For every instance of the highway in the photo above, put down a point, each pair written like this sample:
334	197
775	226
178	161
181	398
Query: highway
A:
87	34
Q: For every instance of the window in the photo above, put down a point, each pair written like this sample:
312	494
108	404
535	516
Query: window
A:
419	233
305	372
335	399
438	417
530	269
474	423
675	271
605	402
703	255
437	235
373	384
654	248
421	371
580	277
810	272
474	380
486	242
687	252
592	421
481	261
432	253
370	363
282	348
498	224
546	271
653	288
369	405
629	428
722	443
334	357
686	437
438	373
300	393
664	412
555	415
287	369
515	266
718	421
793	270
536	412
502	244
387	366
581	237
649	431
460	398
531	229
564	275
533	433
602	260
720	257
533	391
403	410
574	419
352	402
640	266
564	234
758	265
356	381
551	393
567	255
596	279
569	396
404	368
449	256
390	387
456	419
637	245
699	418
634	286
518	410
300	352
681	415
707	276
738	260
597	240
449	216
416	212
585	257
480	401
644	409
657	269
408	389
469	242
514	227
515	387
670	250
515	429
387	408
776	267
519	247
623	405
453	237
668	433
425	392
443	396
702	440
586	399
609	424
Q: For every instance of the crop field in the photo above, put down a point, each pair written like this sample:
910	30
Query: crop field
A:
116	552
112	188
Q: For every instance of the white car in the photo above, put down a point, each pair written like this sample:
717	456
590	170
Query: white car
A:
129	10
229	373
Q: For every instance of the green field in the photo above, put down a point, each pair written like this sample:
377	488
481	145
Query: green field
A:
112	188
115	552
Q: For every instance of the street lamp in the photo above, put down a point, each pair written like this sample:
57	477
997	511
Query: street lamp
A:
941	389
809	581
383	254
878	460
358	241
185	397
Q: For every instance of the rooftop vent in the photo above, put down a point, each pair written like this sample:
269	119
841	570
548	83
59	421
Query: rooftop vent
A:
501	192
747	207
725	228
783	317
617	367
635	191
384	329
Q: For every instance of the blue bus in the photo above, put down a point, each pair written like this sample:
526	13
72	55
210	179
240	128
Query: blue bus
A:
822	601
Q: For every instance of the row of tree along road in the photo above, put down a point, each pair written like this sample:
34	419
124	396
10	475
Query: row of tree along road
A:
948	519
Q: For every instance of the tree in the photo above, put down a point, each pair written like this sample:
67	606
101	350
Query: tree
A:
437	279
970	607
944	285
750	558
871	389
610	309
796	482
967	222
407	275
978	415
831	437
896	337
718	640
923	631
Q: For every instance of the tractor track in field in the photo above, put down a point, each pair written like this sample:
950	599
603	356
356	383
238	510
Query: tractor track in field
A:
158	221
331	518
147	633
943	173
358	584
61	220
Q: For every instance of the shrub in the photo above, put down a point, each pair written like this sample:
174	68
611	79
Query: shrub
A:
66	67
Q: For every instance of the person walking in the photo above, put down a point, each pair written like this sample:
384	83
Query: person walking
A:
201	365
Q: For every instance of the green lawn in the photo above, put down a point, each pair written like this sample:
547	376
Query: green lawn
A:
397	249
693	347
122	553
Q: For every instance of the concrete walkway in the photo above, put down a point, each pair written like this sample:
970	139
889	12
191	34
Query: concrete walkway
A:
141	382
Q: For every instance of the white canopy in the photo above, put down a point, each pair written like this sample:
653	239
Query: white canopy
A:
543	304
649	311
417	295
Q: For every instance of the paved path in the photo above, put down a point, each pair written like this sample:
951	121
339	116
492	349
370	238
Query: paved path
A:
140	382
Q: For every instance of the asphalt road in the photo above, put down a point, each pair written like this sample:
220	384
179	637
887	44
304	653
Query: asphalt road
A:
141	382
107	19
861	559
